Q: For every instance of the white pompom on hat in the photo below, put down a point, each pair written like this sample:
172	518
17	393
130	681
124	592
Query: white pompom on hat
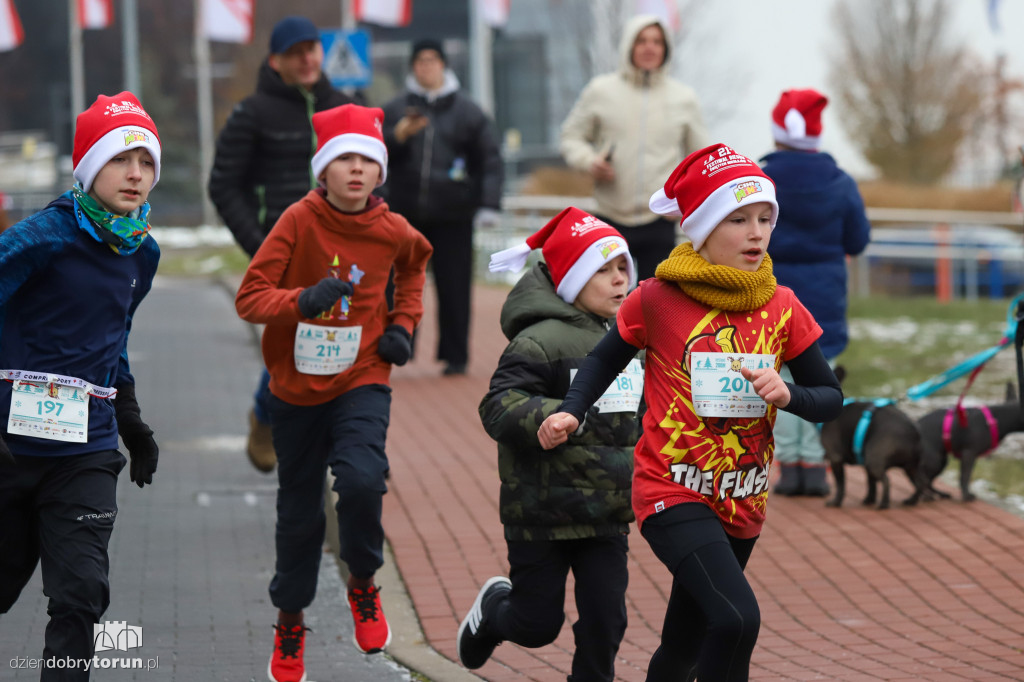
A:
575	245
796	119
111	126
348	129
708	186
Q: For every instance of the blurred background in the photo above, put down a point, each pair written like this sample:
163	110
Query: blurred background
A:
927	98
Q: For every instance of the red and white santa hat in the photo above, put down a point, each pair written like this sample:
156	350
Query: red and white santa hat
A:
112	125
708	186
575	245
796	119
348	129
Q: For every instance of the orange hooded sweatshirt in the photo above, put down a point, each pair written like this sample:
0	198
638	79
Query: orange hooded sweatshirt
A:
313	240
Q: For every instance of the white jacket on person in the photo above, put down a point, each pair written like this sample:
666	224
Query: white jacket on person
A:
649	120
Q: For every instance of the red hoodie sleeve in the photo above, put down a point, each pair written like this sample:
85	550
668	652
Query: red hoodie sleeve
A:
259	300
410	275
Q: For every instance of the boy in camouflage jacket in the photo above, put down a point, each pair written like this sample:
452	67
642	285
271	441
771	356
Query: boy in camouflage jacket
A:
570	508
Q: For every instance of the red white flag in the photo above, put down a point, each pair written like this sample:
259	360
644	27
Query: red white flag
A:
384	12
95	13
11	34
493	12
228	21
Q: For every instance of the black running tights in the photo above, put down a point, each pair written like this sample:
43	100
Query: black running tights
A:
712	619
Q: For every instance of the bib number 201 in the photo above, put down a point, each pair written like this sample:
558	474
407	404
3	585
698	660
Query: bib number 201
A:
737	385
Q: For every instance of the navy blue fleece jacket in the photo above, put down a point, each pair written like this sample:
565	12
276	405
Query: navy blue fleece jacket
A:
66	306
821	222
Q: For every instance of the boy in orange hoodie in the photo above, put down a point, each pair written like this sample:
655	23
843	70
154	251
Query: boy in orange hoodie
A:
318	284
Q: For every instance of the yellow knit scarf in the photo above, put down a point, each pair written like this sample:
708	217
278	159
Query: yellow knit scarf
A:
718	286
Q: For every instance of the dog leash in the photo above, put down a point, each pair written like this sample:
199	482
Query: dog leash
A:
1014	334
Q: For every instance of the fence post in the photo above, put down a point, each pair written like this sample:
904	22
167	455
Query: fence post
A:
943	264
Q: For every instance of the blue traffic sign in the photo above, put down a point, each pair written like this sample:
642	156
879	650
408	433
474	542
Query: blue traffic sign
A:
347	58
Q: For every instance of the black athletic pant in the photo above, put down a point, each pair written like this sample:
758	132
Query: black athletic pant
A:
348	435
712	618
60	511
649	244
452	265
534	611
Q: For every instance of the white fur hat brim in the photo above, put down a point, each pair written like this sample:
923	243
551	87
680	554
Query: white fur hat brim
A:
718	205
349	143
807	143
114	142
589	262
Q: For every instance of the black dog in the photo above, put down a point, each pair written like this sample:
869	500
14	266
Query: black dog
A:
942	435
889	439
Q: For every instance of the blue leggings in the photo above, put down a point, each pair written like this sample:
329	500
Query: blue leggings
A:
712	619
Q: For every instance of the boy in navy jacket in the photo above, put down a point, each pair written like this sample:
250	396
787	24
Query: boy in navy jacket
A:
71	278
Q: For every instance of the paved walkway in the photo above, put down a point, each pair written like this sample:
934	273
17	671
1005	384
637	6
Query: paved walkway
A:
192	555
931	593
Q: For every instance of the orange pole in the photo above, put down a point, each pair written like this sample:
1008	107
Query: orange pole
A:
943	265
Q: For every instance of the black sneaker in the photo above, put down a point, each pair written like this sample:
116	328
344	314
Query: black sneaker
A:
473	644
454	369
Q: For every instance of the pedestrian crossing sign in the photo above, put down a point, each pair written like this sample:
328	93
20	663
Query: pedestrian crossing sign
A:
347	58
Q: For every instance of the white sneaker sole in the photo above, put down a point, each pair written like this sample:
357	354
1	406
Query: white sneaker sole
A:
477	608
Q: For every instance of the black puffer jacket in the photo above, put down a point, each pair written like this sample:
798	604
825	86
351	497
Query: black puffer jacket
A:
263	154
450	168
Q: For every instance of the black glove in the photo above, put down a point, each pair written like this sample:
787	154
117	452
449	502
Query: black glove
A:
321	297
6	458
137	436
395	345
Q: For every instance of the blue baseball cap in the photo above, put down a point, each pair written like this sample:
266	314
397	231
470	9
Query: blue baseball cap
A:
291	30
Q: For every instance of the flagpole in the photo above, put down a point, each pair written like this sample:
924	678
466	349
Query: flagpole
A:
130	46
481	67
204	99
348	16
77	61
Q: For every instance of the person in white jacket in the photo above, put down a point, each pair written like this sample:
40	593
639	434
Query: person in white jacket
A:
629	129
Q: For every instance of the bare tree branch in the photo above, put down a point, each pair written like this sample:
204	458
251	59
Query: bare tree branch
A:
908	95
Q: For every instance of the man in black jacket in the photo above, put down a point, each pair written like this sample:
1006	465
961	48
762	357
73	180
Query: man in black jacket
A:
445	176
262	163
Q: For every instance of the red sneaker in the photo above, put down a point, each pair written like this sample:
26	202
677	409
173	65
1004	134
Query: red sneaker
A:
372	630
286	662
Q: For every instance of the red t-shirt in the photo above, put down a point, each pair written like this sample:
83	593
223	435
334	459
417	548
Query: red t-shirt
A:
722	462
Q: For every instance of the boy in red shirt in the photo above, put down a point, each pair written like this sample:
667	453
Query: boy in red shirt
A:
716	328
317	283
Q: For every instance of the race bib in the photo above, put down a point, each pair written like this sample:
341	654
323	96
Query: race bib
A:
624	393
718	388
49	410
326	350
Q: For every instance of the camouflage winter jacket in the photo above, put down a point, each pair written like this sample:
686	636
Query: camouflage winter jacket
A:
580	489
